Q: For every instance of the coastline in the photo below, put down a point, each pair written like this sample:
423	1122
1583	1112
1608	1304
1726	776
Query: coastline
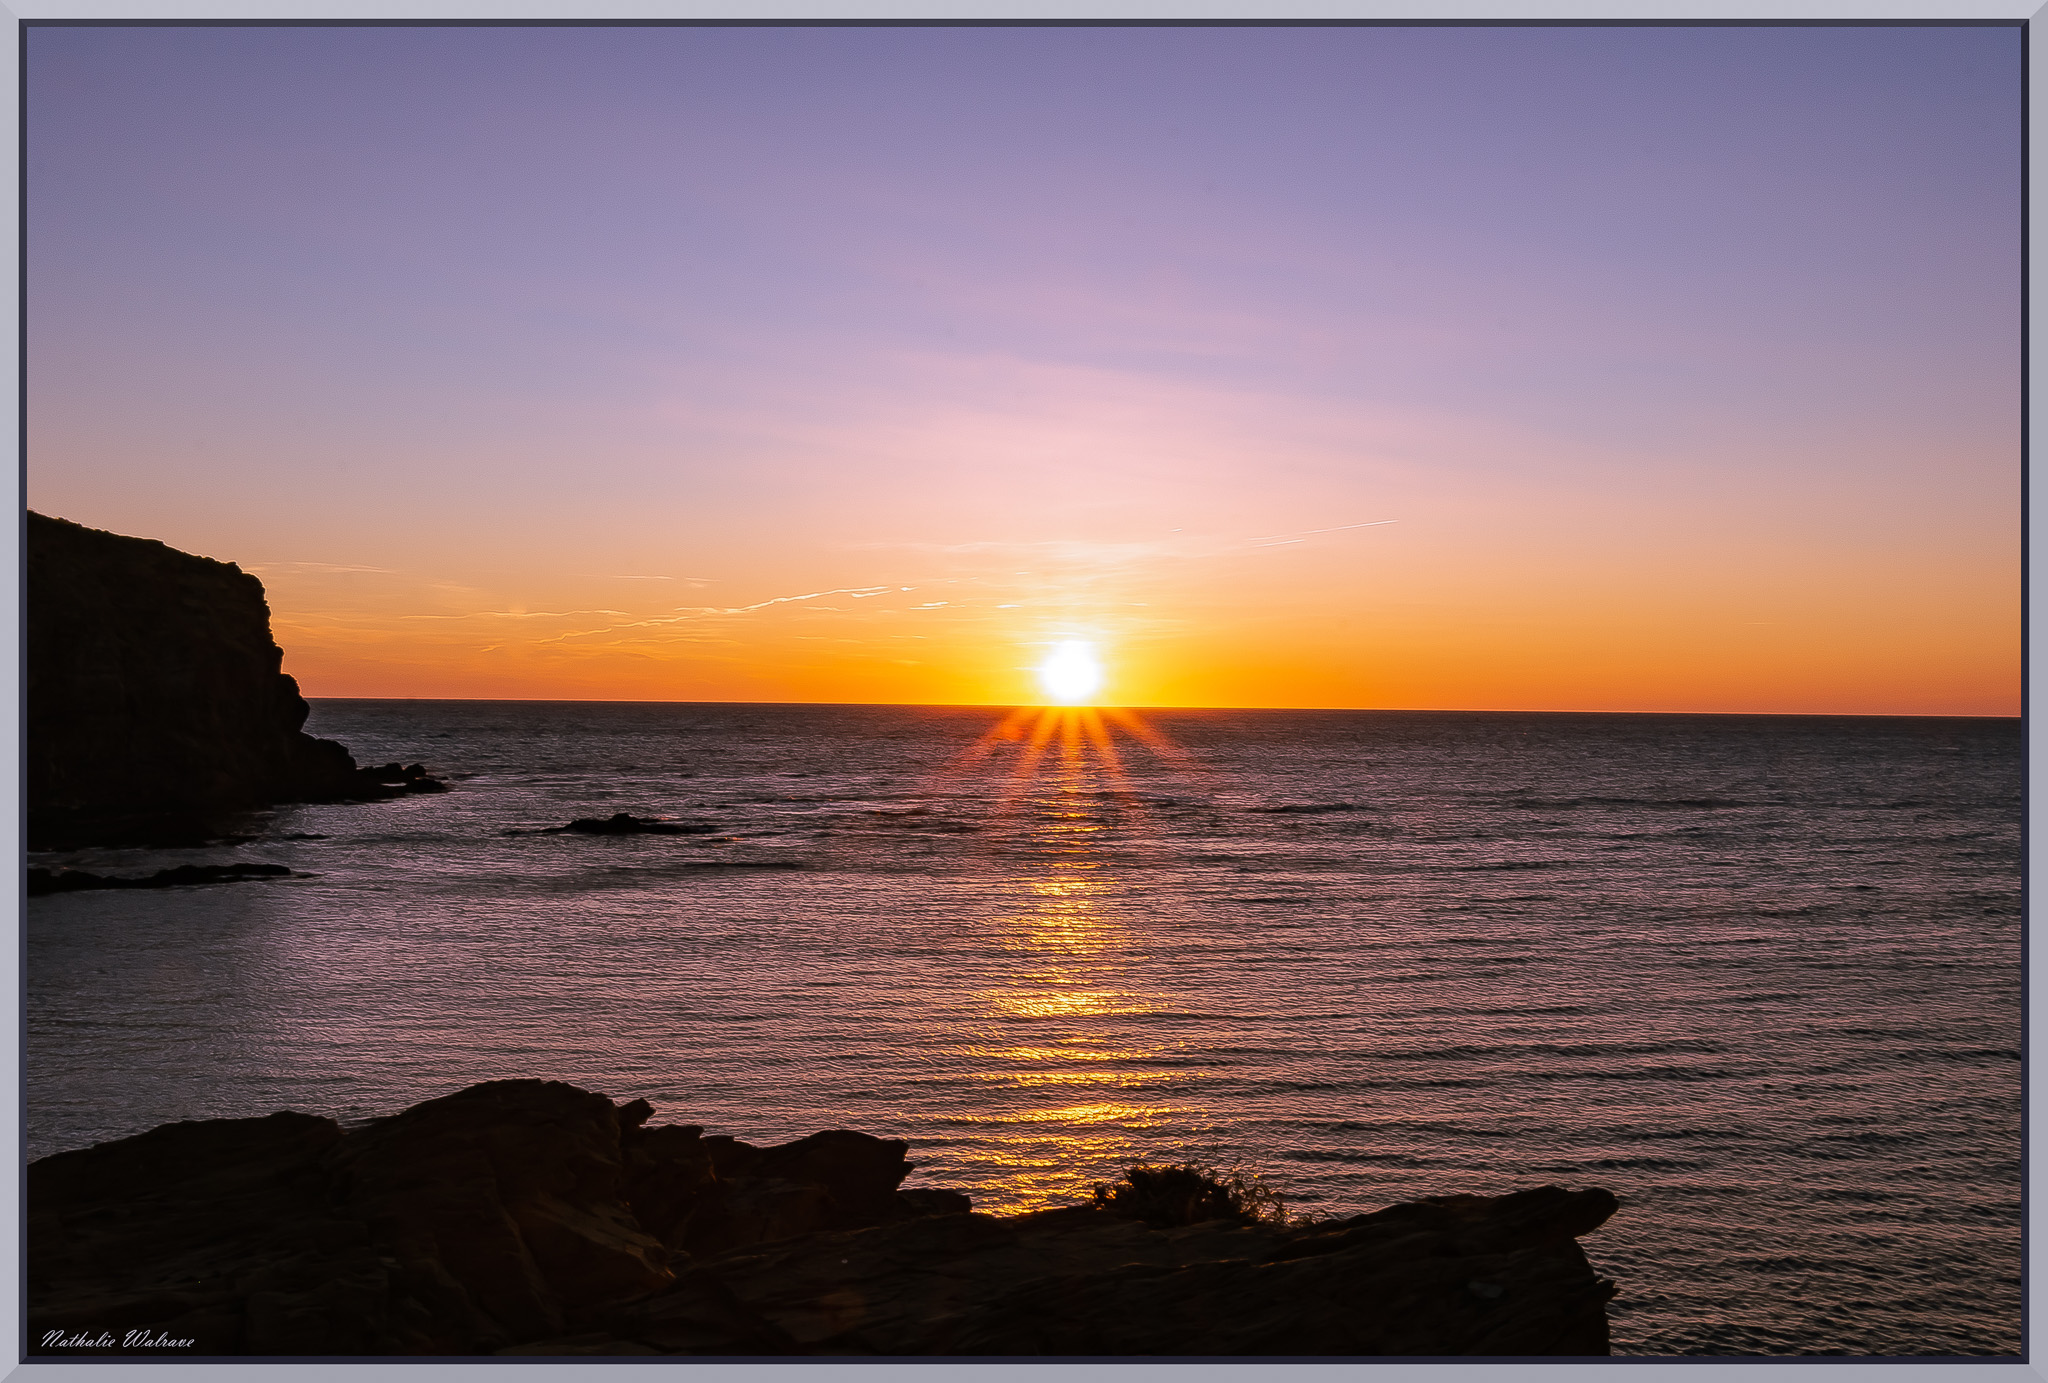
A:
534	1219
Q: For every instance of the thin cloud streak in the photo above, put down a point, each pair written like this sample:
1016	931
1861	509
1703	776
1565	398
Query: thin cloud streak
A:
314	566
854	591
517	614
709	612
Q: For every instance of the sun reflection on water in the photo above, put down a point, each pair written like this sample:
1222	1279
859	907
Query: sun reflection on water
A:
1084	1094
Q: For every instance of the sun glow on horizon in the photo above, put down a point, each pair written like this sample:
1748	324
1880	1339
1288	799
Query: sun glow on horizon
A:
1072	674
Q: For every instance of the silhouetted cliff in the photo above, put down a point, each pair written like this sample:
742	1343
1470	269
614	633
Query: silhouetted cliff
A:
154	693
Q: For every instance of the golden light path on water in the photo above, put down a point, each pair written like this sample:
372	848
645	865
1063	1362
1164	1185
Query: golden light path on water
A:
1072	956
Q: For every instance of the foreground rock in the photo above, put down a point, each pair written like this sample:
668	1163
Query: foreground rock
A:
45	881
533	1218
155	698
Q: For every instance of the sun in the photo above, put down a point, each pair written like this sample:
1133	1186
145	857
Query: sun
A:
1071	675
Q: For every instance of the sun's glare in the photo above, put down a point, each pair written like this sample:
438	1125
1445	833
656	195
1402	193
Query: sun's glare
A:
1071	675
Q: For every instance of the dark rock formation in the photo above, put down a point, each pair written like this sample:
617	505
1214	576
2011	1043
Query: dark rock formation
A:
533	1218
626	824
409	778
44	881
155	698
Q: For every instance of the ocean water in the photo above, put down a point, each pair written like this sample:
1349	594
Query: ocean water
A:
1757	975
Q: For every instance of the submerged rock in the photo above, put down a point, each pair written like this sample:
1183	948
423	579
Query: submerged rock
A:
46	881
627	824
533	1218
409	778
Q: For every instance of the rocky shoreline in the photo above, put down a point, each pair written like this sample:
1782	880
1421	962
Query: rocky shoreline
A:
533	1218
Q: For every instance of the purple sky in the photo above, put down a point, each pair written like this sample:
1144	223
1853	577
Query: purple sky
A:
1657	317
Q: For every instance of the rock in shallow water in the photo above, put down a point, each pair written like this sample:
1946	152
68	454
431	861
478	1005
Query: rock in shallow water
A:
533	1218
46	881
627	824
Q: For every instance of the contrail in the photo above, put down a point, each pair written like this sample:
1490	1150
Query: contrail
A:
855	591
687	613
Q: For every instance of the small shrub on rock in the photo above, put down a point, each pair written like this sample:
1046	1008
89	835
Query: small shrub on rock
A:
1186	1193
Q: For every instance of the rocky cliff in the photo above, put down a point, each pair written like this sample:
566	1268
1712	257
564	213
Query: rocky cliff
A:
533	1218
154	693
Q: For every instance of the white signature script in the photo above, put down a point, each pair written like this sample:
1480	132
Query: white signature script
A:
134	1339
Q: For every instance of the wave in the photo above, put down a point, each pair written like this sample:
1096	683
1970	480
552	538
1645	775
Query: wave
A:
1645	1164
1514	864
1655	803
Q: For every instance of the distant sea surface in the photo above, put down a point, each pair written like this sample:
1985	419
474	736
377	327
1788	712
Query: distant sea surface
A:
1757	975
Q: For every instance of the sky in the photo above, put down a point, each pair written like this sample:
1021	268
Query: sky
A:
1632	369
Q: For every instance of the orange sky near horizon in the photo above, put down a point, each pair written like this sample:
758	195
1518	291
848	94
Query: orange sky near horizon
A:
1521	604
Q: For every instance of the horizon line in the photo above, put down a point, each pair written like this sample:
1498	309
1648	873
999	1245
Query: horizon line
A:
1050	706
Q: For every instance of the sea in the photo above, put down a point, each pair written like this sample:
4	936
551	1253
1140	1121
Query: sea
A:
1757	975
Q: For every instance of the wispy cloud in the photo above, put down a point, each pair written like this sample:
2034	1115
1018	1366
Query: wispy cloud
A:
694	614
519	614
855	591
1064	556
623	576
